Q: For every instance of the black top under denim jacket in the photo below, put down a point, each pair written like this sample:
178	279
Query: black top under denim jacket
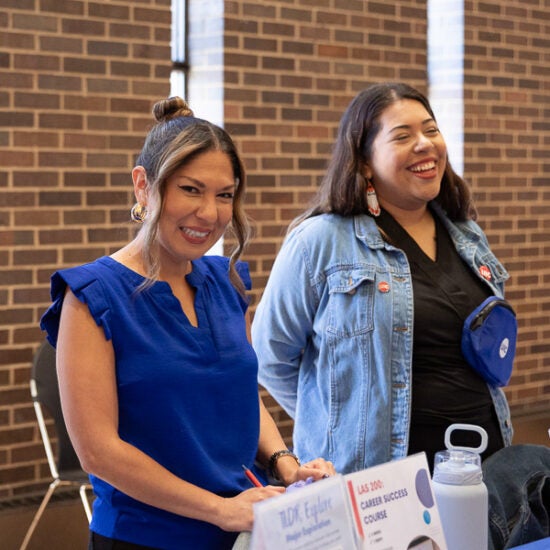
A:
445	388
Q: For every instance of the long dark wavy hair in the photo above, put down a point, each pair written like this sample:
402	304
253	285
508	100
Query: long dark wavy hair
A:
176	139
343	189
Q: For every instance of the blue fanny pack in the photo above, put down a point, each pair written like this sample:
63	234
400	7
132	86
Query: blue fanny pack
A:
489	339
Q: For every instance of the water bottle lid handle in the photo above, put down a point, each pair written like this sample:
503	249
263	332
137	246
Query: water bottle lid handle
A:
468	427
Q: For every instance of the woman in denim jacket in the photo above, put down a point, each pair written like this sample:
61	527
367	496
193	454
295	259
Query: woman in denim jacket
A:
358	330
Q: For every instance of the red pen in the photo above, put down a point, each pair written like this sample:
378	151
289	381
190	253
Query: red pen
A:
248	473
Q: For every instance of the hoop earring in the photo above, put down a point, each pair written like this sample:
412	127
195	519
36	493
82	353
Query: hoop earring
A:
138	213
372	200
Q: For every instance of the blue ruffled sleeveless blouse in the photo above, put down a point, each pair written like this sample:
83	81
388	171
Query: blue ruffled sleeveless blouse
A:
188	396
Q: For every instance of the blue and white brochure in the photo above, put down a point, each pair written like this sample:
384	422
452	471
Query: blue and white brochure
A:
394	506
314	517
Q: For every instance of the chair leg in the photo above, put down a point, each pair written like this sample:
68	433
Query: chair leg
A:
39	512
85	501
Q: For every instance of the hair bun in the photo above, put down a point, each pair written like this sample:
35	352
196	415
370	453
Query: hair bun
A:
172	107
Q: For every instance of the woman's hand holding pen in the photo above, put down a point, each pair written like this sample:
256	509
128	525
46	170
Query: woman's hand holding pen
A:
236	513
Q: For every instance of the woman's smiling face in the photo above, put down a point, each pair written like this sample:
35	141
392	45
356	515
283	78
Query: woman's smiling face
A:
408	157
197	207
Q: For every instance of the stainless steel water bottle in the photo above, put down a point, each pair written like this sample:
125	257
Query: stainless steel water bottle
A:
460	493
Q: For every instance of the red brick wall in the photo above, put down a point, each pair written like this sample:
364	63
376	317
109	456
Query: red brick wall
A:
507	144
78	78
77	82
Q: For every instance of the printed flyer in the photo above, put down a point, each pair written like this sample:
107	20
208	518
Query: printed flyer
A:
393	506
314	517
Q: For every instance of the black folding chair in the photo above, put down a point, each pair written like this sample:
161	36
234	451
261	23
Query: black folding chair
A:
66	470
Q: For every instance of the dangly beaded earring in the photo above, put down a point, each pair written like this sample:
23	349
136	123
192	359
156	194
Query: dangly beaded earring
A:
138	213
372	200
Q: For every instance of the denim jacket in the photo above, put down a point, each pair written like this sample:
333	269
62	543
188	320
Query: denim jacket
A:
334	337
518	482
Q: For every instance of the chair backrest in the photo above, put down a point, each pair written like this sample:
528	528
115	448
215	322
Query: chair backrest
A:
44	379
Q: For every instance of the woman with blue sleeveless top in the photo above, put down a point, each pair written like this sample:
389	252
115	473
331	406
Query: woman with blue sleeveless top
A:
158	379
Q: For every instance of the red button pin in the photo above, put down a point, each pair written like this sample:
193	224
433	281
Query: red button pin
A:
384	286
485	272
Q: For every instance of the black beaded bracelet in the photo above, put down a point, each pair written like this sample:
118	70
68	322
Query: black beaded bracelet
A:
272	465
